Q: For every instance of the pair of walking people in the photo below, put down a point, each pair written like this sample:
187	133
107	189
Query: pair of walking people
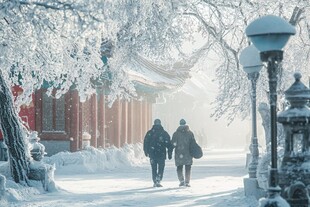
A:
157	145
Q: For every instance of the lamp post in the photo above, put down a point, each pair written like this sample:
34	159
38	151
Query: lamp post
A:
269	34
250	60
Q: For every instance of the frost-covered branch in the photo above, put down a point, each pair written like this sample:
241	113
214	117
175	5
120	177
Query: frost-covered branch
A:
223	24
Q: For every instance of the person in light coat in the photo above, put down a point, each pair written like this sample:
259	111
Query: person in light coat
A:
181	141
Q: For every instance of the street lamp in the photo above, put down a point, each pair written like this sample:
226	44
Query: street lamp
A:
269	34
250	60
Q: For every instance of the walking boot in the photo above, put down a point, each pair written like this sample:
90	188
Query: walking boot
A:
158	185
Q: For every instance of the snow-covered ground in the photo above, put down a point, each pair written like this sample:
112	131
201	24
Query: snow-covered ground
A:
122	177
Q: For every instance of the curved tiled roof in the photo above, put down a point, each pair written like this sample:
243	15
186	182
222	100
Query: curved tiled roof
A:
158	77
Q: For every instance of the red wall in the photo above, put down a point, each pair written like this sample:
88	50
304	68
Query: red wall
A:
124	122
27	113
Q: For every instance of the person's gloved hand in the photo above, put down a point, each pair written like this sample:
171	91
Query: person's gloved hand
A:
169	157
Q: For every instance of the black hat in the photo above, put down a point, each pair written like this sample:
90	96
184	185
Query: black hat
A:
182	122
157	122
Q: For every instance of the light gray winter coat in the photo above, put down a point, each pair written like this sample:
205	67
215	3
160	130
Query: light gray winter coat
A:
180	141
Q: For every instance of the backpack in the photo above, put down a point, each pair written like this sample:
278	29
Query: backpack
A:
195	150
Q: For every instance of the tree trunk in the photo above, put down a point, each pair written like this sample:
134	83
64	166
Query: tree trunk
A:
13	135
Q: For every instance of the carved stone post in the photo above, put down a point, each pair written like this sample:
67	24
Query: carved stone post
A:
294	173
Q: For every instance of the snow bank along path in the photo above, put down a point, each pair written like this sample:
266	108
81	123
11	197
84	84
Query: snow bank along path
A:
217	180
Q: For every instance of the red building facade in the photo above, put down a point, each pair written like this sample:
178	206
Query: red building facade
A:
62	122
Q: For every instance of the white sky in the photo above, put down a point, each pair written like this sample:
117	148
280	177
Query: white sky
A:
122	177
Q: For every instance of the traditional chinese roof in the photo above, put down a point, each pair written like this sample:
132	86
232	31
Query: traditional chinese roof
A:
151	77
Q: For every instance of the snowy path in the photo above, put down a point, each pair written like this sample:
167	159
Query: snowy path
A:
217	180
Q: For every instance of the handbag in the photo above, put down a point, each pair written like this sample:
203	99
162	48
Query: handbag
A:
195	150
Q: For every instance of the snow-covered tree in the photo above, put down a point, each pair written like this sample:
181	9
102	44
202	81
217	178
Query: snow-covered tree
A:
41	41
58	43
223	24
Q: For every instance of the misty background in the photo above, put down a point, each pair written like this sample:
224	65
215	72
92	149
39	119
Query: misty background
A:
193	102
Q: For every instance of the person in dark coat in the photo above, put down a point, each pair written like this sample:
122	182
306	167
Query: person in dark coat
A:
156	144
181	141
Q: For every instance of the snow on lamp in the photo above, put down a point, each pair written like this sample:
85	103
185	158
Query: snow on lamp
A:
269	33
250	60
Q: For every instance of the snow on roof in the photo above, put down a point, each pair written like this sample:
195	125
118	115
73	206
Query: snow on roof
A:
200	85
170	76
151	78
170	70
294	113
159	77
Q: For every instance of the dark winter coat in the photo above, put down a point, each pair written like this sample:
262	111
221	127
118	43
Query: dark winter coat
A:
181	141
156	143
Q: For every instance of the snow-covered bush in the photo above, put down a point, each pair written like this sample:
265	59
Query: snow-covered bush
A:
91	160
